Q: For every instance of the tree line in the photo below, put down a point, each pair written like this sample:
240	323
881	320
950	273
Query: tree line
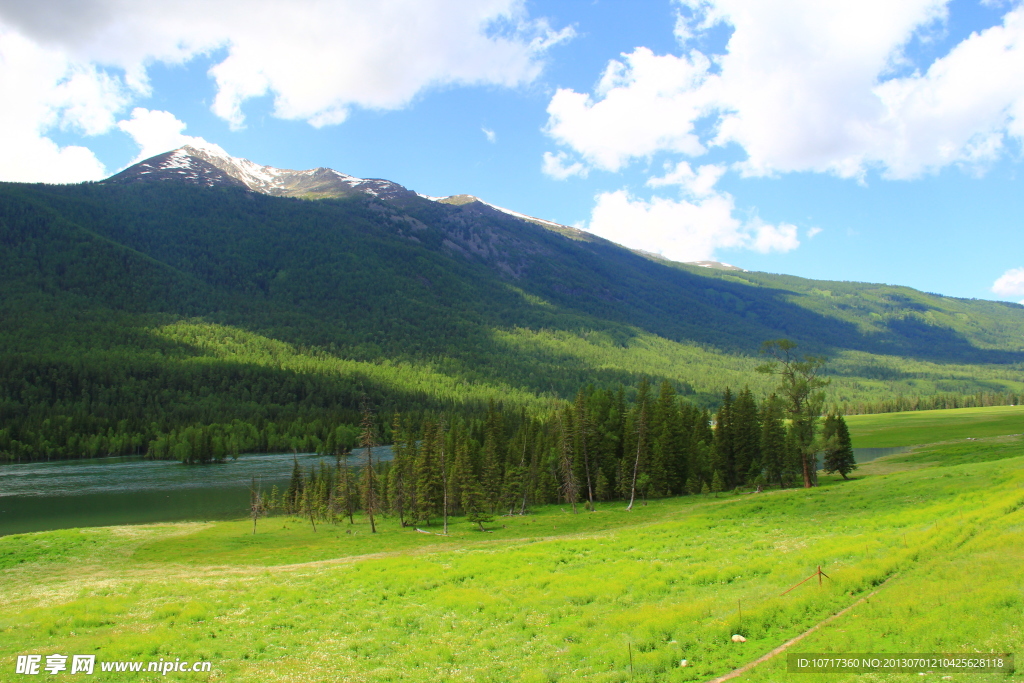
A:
597	449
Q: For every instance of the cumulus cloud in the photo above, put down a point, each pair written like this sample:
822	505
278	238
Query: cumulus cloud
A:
685	230
43	90
699	183
1010	284
644	104
801	86
80	64
805	85
159	131
491	136
561	166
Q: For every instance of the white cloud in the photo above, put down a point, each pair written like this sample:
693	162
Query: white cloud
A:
811	232
806	85
156	132
316	58
645	104
491	136
78	64
561	166
1010	284
699	183
684	230
42	90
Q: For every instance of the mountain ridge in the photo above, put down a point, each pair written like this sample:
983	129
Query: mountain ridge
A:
181	297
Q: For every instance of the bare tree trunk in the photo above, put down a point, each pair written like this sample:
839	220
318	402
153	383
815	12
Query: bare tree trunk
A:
641	435
444	477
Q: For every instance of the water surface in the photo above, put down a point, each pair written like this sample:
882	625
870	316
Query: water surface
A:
65	494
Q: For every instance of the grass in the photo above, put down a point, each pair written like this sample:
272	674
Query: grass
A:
930	426
551	596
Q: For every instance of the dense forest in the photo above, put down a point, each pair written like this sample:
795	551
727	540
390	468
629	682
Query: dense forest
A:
595	449
140	317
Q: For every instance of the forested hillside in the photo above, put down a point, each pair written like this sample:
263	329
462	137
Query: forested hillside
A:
132	310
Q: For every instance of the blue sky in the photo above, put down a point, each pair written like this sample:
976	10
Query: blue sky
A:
874	140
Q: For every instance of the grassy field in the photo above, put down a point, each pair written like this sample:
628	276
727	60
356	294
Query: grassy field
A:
551	596
931	426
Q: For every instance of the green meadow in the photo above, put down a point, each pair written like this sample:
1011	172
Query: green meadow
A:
935	533
931	426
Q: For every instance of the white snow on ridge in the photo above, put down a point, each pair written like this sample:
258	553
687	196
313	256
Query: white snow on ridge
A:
522	216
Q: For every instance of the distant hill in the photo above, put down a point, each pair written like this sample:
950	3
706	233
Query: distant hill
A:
197	282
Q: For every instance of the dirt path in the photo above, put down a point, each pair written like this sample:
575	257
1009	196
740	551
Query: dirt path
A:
782	648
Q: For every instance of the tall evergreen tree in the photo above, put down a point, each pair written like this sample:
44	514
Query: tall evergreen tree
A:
838	446
725	450
746	436
801	385
570	485
368	439
773	440
428	475
642	446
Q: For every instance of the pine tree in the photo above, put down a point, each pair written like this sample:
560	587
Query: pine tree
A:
583	442
474	504
399	473
641	436
666	478
345	491
801	386
717	483
368	439
293	494
773	440
839	447
428	475
725	451
746	436
570	485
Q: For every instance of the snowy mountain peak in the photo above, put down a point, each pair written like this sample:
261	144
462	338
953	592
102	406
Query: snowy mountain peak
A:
210	165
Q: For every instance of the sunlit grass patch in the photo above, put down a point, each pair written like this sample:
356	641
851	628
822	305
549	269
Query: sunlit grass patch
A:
550	596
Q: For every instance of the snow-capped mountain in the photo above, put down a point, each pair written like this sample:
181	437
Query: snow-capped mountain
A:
210	165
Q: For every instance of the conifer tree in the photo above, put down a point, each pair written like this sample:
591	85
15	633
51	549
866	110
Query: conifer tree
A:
801	386
474	504
583	446
399	473
368	439
570	485
725	456
717	483
773	440
746	436
428	475
641	436
667	443
838	446
345	491
293	494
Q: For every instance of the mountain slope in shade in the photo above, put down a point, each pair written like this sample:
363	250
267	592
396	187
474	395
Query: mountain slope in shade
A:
705	302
